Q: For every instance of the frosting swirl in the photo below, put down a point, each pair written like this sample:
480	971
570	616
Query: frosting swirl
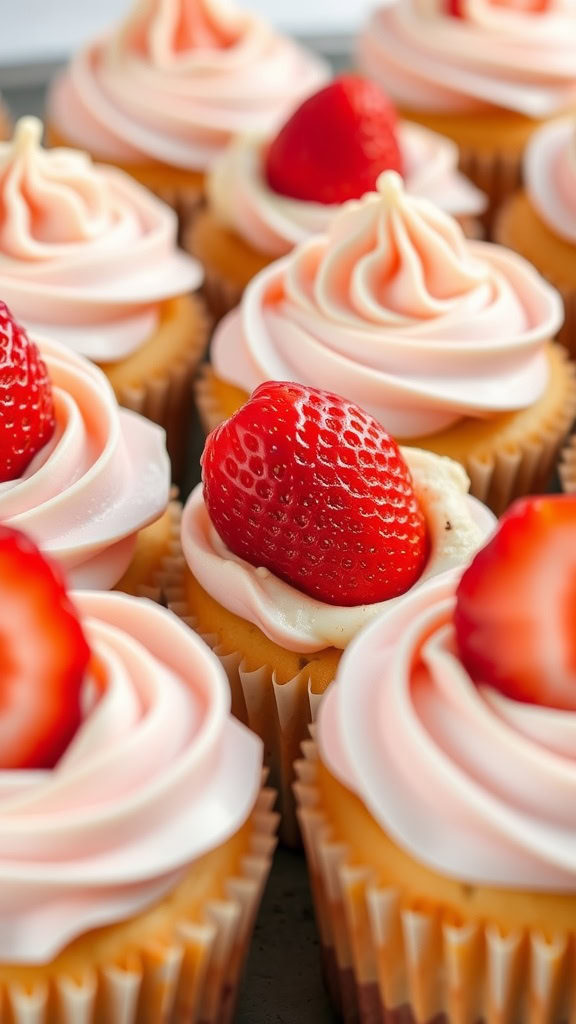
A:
457	524
157	775
103	476
398	312
177	80
407	730
273	224
86	254
516	56
550	176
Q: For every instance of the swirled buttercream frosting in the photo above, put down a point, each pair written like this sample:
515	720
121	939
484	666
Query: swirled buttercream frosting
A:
103	476
157	775
396	310
177	80
86	254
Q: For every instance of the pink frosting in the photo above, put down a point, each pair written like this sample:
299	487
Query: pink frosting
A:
302	623
550	176
86	254
104	475
397	311
518	56
158	774
477	786
273	224
177	80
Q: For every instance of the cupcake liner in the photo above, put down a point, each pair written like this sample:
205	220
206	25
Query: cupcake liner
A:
168	399
143	579
495	173
389	959
567	467
221	296
193	979
511	471
209	409
279	713
186	202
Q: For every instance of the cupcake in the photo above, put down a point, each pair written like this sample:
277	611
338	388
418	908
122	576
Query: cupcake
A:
88	481
135	838
163	94
266	195
309	523
5	121
539	221
437	802
89	258
567	467
445	341
486	73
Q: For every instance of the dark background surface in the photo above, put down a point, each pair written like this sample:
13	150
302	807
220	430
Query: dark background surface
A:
283	983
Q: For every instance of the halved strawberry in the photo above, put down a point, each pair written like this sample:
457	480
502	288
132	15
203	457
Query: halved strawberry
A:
515	615
308	485
43	657
336	144
26	408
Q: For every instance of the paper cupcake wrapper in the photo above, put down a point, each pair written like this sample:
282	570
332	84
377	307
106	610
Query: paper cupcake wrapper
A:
279	713
221	296
496	174
193	979
152	586
389	960
185	201
209	410
168	400
567	467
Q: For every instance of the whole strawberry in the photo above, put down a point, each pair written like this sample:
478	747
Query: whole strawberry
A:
335	146
515	616
307	485
26	407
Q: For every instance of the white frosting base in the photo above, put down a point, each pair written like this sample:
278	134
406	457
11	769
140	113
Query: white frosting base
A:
302	623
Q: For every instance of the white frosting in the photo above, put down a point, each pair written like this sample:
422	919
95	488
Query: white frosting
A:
273	224
396	310
157	775
479	787
457	524
550	176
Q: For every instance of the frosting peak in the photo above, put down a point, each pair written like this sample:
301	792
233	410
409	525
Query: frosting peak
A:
86	254
166	31
396	310
398	258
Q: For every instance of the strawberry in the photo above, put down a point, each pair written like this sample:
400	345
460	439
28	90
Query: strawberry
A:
336	144
515	616
43	657
26	408
454	8
312	488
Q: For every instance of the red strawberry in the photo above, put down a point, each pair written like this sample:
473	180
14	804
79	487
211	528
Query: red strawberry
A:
454	8
336	144
312	488
43	657
515	614
26	407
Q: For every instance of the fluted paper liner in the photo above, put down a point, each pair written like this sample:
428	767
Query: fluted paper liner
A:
279	713
149	583
567	468
168	399
185	201
496	174
501	475
389	960
191	980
